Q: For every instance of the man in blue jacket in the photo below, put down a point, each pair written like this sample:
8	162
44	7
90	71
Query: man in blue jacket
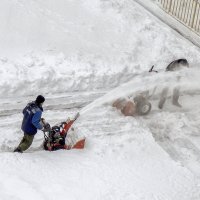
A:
31	123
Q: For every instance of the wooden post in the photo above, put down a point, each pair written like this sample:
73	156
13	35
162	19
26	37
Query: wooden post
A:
194	14
170	5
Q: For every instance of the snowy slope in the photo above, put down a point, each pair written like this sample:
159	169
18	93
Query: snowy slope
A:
82	55
123	41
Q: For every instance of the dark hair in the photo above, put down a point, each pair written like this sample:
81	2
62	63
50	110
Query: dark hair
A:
40	99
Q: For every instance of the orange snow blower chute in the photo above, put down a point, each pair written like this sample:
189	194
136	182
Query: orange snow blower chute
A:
80	144
66	127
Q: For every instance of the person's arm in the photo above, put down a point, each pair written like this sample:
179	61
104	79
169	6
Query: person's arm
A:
36	120
24	110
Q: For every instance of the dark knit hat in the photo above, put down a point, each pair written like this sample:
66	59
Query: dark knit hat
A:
40	99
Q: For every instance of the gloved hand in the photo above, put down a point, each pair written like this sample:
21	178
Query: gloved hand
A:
46	127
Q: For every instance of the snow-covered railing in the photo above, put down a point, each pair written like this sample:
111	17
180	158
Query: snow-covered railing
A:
186	11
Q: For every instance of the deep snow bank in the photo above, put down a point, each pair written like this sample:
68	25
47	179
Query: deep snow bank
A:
103	44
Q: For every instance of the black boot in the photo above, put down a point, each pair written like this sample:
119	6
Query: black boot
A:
18	150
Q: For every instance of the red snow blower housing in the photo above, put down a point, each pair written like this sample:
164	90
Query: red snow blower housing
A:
55	137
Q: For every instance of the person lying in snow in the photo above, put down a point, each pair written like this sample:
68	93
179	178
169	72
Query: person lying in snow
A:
173	66
138	106
31	123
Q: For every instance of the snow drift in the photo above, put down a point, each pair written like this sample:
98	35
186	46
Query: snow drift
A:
78	51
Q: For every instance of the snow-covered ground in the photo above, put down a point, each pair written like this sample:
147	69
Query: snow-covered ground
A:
82	55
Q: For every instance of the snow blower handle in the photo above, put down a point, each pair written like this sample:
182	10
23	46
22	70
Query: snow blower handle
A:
152	70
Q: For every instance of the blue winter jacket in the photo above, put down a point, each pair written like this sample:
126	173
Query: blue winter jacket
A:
31	121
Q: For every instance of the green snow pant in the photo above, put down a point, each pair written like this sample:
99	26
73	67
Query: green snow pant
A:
26	142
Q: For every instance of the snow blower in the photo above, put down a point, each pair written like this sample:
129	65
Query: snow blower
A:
57	137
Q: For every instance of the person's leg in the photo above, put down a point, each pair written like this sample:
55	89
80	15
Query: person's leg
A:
25	143
175	97
163	97
22	141
17	149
